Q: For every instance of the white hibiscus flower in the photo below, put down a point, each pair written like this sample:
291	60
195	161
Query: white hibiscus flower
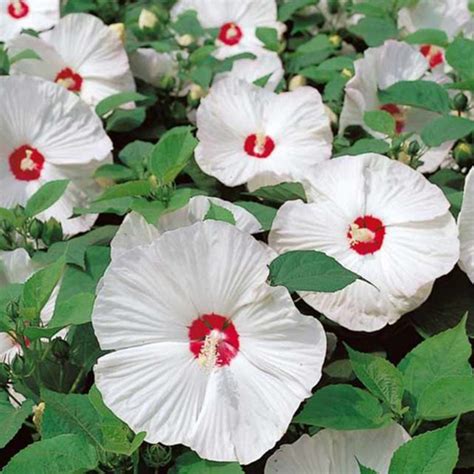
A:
47	133
151	66
248	134
206	354
17	15
380	68
466	227
380	219
237	22
135	230
265	65
337	452
81	54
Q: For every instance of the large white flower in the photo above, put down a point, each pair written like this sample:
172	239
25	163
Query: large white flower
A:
237	22
247	133
466	227
251	70
17	15
337	452
380	219
206	354
380	68
81	54
151	66
47	133
135	230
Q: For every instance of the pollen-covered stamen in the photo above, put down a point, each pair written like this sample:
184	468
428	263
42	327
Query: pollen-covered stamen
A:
213	340
230	34
366	235
433	54
69	79
18	9
259	145
26	163
398	113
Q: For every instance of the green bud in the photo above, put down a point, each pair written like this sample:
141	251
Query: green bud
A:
157	455
464	155
13	310
60	348
413	148
460	102
36	228
52	232
18	211
4	375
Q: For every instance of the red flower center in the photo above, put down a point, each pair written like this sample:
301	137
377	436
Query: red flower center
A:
259	146
366	235
213	340
69	79
398	114
230	34
18	9
433	54
26	163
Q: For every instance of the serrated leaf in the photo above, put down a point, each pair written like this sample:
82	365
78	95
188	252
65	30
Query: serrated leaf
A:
11	418
218	213
45	197
140	187
264	214
374	31
269	37
126	120
380	121
76	310
444	129
459	55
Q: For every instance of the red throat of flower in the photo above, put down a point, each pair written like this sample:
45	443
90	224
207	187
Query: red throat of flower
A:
18	9
213	340
397	113
259	145
69	79
26	163
433	54
366	235
230	34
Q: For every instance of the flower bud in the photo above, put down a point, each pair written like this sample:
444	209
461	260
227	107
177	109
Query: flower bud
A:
335	40
38	411
297	82
413	148
119	30
460	102
35	228
52	231
346	73
332	116
185	40
464	155
147	19
157	455
196	92
60	348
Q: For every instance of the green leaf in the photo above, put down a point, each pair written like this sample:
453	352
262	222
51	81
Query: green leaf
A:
202	76
131	188
428	36
136	154
365	470
85	348
447	397
380	121
114	172
76	310
308	270
172	153
446	354
343	407
25	54
119	206
269	37
444	129
288	9
150	210
191	463
45	197
432	452
459	55
68	453
426	95
11	418
374	31
366	145
218	213
38	289
115	101
379	376
264	214
280	193
126	120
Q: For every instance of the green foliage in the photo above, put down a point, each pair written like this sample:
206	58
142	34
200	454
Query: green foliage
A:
280	193
428	36
380	121
45	197
219	213
115	101
459	55
11	418
446	128
264	214
191	463
374	31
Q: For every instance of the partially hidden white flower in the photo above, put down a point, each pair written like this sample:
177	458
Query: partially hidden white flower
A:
135	230
380	219
147	19
249	134
151	66
466	227
17	15
46	134
205	352
380	68
81	53
338	452
237	22
266	65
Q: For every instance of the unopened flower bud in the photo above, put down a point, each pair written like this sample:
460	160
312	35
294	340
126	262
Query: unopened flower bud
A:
297	82
196	92
119	30
413	148
346	73
460	102
147	19
38	411
157	455
35	228
464	155
52	232
335	40
104	182
60	348
185	40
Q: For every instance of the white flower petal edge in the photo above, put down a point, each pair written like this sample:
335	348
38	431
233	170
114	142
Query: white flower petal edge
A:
247	132
135	230
82	54
151	66
380	219
337	452
228	401
466	227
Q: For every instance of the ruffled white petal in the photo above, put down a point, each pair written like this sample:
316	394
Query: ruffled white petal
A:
466	227
151	66
16	266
